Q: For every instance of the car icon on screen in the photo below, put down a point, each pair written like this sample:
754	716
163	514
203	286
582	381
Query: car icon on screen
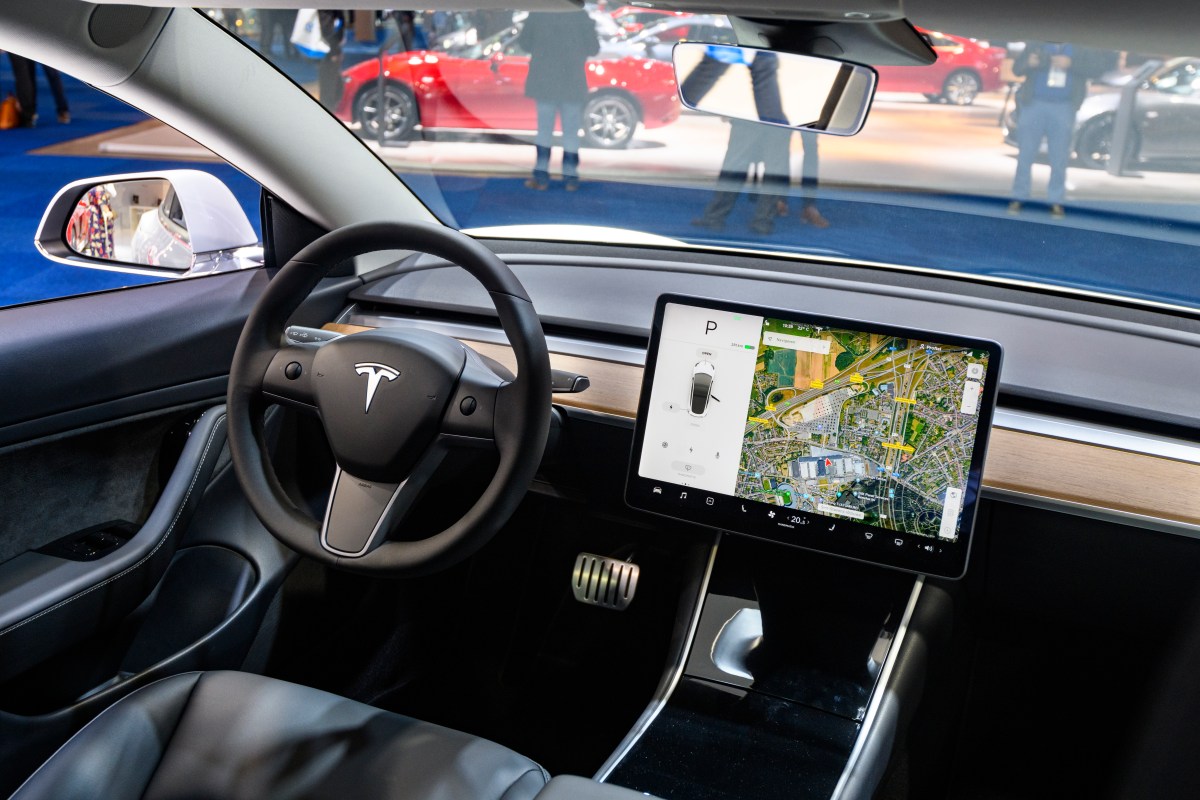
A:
702	382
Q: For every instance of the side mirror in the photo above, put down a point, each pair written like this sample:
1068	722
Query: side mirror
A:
170	224
494	61
805	93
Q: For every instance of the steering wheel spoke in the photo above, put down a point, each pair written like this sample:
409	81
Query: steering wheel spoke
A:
361	513
288	379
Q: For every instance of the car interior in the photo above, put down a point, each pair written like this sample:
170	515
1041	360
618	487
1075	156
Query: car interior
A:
398	510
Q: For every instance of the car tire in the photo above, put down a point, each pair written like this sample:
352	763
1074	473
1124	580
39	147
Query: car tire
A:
400	110
961	87
1093	143
609	121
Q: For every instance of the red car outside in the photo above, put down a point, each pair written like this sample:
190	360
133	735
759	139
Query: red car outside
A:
633	19
964	68
482	87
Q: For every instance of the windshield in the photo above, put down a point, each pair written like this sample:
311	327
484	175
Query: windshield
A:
1051	164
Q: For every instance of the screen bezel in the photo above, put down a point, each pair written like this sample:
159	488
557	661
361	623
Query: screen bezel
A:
947	559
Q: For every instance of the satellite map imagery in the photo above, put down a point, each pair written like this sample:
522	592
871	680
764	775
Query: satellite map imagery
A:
864	426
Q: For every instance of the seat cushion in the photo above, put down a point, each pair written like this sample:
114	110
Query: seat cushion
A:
235	735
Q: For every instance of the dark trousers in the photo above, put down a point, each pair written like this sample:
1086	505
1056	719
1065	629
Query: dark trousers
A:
270	22
25	74
749	145
329	80
764	84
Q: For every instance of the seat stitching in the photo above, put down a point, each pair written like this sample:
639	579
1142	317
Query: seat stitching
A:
195	476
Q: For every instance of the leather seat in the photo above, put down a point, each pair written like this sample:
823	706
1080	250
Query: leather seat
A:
234	735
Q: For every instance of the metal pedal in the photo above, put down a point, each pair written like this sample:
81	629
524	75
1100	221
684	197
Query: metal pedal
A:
604	582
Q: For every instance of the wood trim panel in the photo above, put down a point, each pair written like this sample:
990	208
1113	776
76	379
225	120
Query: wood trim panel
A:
1076	472
1055	469
615	387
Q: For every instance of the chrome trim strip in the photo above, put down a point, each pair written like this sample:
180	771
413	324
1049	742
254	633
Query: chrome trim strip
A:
337	480
620	354
1113	515
868	723
1099	435
659	701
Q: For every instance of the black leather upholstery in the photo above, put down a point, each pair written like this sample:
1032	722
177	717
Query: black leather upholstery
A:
234	735
569	787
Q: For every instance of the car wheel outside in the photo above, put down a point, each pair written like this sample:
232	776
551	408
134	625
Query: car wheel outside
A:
609	121
961	87
398	110
1093	145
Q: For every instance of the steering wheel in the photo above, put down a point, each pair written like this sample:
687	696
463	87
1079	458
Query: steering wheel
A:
393	403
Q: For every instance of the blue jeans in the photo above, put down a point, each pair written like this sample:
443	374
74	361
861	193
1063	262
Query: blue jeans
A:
572	119
1055	122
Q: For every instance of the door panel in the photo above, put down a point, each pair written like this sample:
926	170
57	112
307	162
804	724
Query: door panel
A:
93	388
51	602
80	361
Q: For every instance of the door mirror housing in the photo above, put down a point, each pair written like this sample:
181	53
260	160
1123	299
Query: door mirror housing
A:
168	224
805	93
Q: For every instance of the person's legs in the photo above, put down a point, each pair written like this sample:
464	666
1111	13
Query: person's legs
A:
701	79
773	146
809	167
732	177
329	79
60	95
764	81
571	115
267	20
1060	122
546	112
26	88
1031	128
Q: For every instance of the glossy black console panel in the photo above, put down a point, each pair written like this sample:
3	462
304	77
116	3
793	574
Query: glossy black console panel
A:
715	741
789	650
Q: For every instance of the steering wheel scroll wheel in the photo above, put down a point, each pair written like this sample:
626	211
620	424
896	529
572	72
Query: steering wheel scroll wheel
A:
393	403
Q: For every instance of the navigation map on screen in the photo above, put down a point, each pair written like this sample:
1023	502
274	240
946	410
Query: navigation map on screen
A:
859	426
875	428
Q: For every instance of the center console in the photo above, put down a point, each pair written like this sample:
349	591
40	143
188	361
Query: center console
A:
793	433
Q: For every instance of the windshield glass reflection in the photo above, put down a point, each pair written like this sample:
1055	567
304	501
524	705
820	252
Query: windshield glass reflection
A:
1050	163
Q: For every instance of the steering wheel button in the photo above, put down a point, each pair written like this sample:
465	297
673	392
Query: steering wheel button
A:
468	406
293	371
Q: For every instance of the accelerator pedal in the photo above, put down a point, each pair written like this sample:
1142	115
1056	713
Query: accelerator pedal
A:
604	582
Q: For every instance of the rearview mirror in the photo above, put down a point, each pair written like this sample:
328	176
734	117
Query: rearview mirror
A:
793	91
171	223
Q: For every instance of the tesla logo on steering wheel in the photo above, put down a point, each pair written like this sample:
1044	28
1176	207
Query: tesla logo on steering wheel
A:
375	372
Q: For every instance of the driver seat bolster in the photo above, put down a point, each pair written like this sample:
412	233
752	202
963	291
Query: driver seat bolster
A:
237	735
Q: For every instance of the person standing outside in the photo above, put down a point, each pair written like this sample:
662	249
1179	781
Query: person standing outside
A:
559	45
329	71
1056	82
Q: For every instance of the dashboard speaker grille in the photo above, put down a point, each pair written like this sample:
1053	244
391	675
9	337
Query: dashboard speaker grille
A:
604	582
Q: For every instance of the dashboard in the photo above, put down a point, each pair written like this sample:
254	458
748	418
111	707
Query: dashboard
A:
1082	406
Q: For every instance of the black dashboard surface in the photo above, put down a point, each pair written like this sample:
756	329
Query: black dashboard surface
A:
1072	351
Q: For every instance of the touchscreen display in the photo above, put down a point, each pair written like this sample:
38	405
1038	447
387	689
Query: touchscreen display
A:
842	436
